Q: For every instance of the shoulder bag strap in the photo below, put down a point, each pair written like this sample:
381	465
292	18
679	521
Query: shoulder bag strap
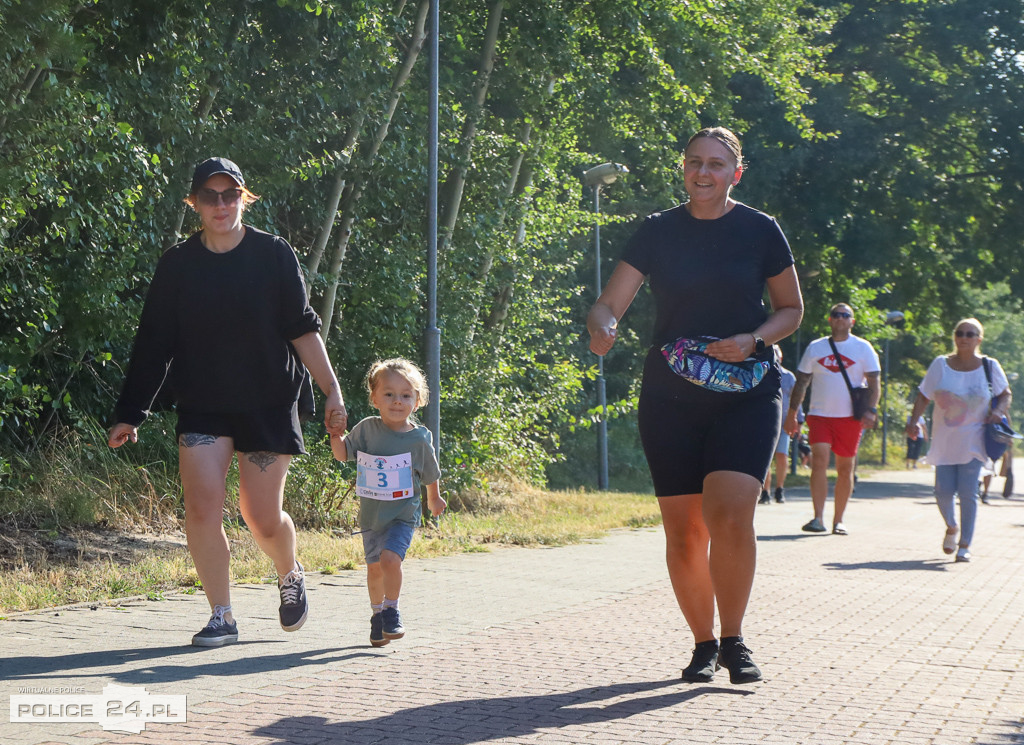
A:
839	361
988	379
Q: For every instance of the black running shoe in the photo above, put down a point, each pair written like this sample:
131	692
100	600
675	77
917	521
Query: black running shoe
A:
391	620
217	632
377	630
702	665
293	599
765	499
734	655
780	496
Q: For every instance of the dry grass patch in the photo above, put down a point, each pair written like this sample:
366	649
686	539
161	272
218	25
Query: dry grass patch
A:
97	566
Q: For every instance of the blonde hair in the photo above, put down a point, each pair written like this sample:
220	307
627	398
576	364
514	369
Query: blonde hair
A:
973	322
408	370
725	136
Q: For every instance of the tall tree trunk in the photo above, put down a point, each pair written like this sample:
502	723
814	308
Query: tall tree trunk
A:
495	321
354	190
484	270
334	199
457	183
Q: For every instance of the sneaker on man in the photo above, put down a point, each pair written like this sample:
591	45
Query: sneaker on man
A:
765	499
815	526
392	623
780	496
377	630
217	632
293	599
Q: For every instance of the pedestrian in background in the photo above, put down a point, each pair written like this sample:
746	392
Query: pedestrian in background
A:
788	380
967	397
914	443
228	308
708	446
827	364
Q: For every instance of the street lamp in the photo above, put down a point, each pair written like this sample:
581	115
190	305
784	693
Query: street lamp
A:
892	318
599	176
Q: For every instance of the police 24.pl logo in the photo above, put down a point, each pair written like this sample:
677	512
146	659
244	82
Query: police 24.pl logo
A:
120	708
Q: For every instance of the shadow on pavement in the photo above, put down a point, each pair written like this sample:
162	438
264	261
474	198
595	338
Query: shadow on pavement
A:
482	719
71	665
910	565
891	490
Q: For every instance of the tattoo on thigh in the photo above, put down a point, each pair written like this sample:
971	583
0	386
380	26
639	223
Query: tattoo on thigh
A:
191	439
262	459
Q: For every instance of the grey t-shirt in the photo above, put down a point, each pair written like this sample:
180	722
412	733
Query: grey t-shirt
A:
372	437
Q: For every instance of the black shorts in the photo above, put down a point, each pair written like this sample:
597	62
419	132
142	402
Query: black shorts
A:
273	430
688	431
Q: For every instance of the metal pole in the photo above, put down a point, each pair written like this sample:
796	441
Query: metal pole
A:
602	426
885	392
433	334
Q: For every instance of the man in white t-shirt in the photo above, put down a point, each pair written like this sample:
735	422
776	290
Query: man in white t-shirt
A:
830	422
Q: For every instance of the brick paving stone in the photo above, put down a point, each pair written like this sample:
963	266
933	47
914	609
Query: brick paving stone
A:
869	639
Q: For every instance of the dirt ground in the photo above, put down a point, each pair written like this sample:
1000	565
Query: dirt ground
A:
19	547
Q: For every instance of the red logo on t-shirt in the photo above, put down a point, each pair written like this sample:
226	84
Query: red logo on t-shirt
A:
829	363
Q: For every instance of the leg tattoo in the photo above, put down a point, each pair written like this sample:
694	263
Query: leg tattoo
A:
262	459
191	439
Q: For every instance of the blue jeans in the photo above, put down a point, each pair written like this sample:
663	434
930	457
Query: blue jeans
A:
962	480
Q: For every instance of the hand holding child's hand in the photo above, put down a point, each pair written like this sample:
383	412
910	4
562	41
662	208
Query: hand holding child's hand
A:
337	421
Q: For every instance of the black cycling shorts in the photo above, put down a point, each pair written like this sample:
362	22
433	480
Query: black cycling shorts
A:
273	430
688	431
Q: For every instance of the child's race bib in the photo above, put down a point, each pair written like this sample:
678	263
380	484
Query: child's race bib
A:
384	477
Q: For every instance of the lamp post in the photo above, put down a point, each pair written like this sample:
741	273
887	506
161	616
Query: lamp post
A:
892	318
599	176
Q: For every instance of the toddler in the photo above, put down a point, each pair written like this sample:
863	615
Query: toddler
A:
394	454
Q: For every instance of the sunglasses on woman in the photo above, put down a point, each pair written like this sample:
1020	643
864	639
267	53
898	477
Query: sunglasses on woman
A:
960	334
228	197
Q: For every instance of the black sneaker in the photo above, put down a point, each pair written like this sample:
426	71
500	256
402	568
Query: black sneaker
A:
735	656
765	499
391	620
702	665
217	632
780	496
377	630
293	599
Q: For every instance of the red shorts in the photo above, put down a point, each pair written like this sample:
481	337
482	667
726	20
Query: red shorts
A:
841	433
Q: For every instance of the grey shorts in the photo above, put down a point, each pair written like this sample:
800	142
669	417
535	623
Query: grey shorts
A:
396	537
782	446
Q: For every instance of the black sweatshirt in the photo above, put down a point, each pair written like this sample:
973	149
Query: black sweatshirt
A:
226	320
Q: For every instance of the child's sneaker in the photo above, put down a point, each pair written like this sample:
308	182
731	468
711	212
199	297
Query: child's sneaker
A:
377	630
217	632
392	623
293	599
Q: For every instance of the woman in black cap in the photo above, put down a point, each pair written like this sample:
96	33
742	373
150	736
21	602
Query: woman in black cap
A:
228	307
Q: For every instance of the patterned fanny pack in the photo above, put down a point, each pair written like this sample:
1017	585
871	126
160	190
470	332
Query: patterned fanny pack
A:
688	359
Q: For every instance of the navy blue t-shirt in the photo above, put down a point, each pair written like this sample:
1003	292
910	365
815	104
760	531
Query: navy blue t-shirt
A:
708	276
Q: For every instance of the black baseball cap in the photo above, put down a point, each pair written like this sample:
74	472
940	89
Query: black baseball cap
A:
213	166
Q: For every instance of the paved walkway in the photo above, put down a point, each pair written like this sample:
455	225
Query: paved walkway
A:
874	638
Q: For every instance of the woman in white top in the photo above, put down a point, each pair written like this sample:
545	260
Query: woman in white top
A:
963	406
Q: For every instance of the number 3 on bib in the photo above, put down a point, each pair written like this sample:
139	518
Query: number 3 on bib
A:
384	477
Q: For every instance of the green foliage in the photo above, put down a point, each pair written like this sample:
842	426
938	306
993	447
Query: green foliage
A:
896	181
